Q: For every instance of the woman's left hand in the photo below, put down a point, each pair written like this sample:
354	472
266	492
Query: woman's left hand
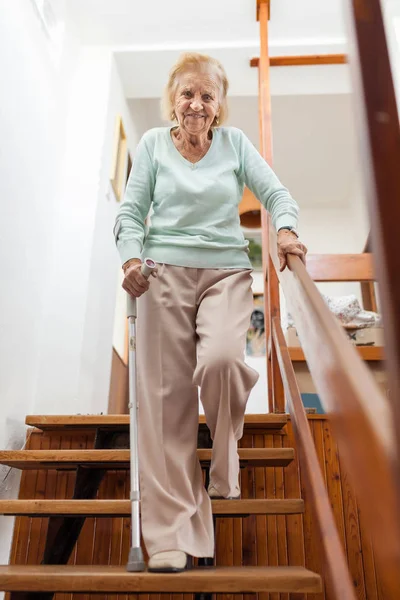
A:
288	243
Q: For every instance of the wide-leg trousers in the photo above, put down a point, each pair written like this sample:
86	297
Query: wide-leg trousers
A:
191	333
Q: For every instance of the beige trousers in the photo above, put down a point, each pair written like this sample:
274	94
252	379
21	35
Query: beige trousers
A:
191	333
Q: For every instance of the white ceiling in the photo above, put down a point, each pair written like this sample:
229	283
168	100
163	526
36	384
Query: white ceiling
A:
148	37
136	22
315	152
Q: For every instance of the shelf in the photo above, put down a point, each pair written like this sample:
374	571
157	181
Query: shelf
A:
368	353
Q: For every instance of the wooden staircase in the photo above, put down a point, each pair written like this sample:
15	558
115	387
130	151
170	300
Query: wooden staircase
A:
72	528
67	515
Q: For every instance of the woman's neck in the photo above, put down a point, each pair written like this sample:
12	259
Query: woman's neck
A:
188	140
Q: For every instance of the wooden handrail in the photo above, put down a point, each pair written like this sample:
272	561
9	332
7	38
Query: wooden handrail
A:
360	415
335	560
379	144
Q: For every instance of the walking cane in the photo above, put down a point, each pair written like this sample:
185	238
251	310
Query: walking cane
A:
135	561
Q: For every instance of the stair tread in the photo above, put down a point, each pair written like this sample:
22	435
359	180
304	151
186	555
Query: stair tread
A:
42	508
119	459
51	422
114	579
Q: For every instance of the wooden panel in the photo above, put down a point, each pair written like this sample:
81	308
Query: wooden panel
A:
368	353
369	296
52	422
294	524
271	525
261	521
340	267
117	527
368	561
312	542
330	458
279	492
118	396
353	537
305	60
23	525
119	459
249	531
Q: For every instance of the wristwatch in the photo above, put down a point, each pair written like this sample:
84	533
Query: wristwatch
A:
292	229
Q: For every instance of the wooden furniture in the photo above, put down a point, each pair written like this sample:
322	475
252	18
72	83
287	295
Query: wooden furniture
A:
345	268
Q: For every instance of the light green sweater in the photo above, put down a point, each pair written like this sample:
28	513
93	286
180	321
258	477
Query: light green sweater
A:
195	220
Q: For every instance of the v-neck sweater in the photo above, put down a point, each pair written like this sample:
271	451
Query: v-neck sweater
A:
195	219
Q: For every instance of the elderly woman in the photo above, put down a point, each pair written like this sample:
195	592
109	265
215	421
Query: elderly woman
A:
194	315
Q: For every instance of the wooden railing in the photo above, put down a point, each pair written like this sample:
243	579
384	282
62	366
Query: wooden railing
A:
360	414
337	571
364	422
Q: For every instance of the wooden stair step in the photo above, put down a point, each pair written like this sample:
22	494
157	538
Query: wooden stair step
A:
119	459
121	422
122	508
113	579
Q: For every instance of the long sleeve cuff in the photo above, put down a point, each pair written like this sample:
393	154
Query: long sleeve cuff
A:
129	249
285	221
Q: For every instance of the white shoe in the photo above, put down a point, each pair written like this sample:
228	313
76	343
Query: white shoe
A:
171	561
215	495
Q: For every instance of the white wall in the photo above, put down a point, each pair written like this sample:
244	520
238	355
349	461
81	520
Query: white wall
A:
64	319
78	330
331	231
58	263
392	25
105	269
30	163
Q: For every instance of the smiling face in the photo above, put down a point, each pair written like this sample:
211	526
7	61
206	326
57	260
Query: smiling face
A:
197	101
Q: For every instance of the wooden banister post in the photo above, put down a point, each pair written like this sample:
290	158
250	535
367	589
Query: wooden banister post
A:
368	287
267	269
271	284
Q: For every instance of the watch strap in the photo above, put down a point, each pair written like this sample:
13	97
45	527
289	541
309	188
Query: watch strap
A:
292	229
